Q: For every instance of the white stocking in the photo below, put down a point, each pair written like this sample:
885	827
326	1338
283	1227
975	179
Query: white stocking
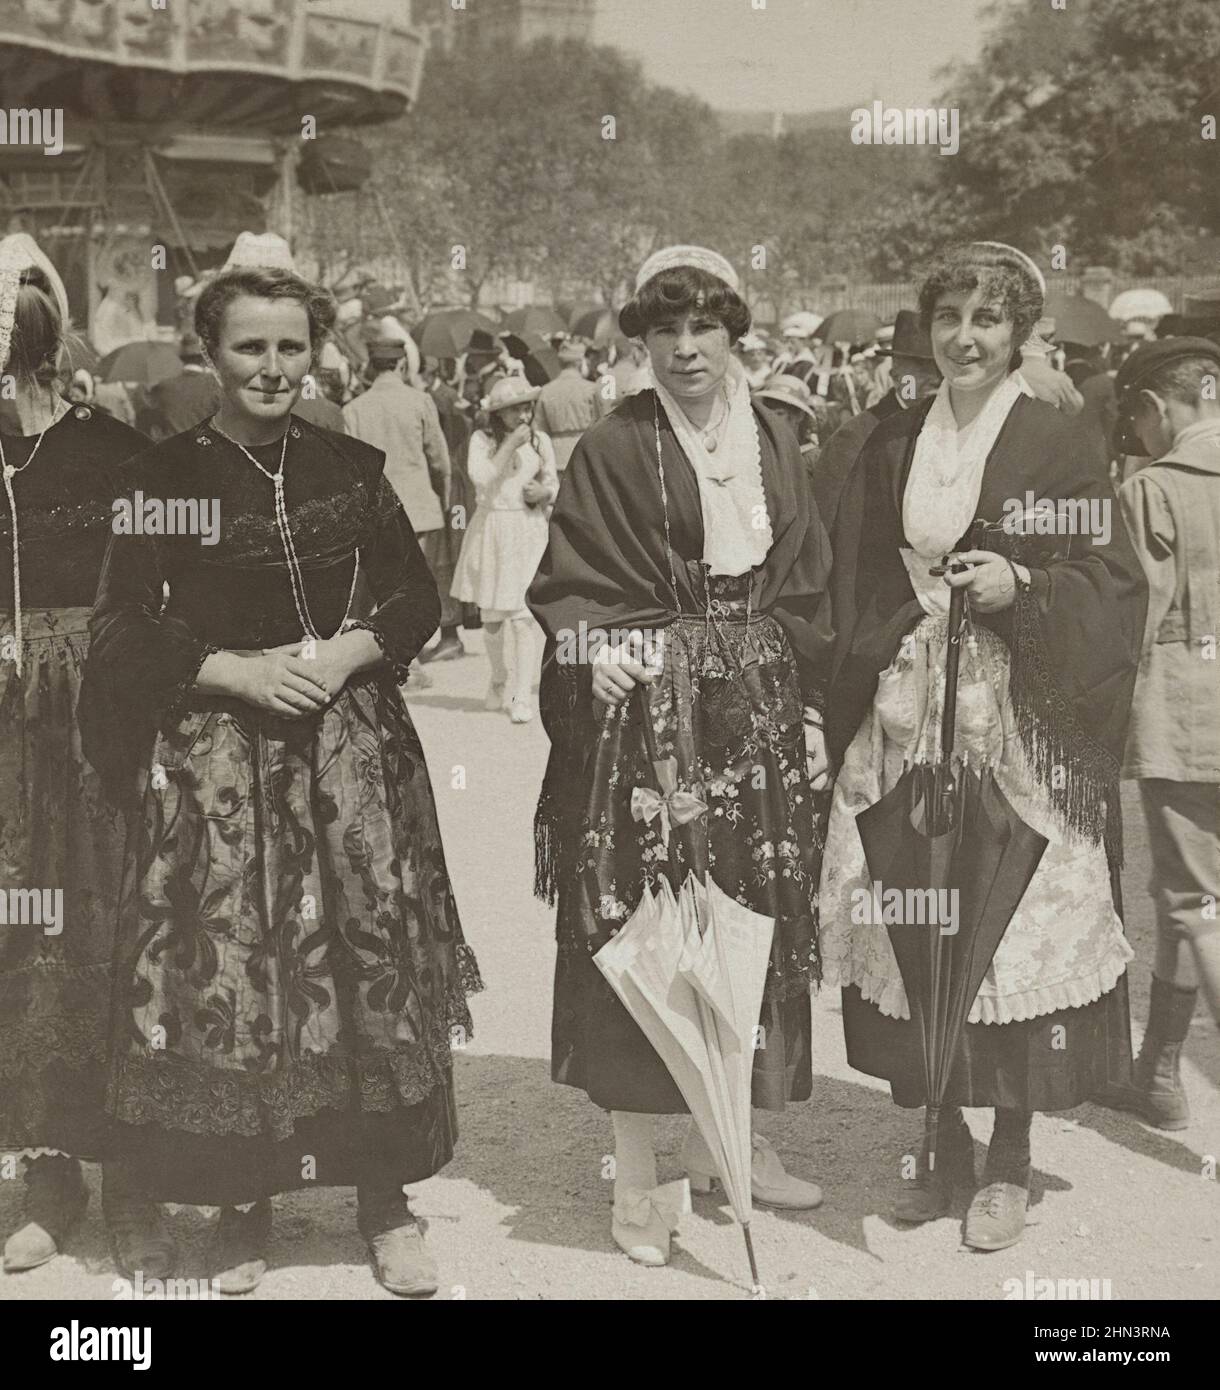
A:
524	658
493	641
635	1161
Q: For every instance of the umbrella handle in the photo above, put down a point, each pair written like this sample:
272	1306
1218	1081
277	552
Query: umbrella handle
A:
957	626
650	736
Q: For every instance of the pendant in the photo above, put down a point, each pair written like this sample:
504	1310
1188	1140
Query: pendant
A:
9	471
711	446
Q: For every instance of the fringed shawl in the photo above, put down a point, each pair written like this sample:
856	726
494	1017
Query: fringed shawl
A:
605	568
1073	637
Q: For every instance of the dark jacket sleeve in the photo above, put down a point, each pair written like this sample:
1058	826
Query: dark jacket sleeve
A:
408	607
141	664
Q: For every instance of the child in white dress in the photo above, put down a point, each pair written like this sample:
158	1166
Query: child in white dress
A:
513	471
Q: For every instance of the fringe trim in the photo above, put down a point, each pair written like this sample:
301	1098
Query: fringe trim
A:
1079	776
551	852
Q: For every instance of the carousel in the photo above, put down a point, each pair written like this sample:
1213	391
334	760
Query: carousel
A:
139	138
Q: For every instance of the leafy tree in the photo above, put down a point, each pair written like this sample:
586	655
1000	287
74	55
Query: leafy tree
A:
1084	126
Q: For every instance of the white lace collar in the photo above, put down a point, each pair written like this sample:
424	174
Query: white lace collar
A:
942	492
736	527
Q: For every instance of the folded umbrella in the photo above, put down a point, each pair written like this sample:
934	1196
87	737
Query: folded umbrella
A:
947	828
690	968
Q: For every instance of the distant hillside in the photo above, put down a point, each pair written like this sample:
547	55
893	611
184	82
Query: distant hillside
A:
763	122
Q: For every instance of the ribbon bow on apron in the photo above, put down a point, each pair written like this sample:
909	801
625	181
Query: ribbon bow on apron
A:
673	806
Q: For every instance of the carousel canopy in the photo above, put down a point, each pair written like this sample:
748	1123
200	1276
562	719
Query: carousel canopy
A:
252	65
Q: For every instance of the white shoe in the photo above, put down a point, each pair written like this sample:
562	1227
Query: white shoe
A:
643	1221
495	698
770	1185
520	711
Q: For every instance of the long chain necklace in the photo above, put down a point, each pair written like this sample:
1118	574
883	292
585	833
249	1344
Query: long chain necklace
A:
295	577
10	471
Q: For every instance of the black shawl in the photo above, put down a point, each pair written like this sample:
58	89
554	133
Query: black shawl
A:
1074	637
605	568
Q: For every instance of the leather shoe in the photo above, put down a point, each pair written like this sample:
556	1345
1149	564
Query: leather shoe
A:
55	1201
929	1195
996	1218
403	1262
140	1242
241	1247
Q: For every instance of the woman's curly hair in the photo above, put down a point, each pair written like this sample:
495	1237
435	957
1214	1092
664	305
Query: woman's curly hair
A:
998	271
262	283
673	293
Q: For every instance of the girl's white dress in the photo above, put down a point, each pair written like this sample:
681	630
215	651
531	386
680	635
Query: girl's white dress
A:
507	538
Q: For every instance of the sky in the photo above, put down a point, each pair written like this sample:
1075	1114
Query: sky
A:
795	55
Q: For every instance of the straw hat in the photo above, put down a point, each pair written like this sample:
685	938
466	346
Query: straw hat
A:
791	390
510	390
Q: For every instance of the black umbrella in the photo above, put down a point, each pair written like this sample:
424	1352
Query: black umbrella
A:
949	829
538	358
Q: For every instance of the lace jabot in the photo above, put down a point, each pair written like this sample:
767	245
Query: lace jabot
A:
736	527
946	477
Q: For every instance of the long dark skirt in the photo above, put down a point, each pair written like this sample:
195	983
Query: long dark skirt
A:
740	741
56	834
290	973
1049	1063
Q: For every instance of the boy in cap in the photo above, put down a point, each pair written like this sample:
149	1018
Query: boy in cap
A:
1169	411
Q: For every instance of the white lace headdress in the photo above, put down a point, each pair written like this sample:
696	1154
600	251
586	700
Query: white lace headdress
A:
19	253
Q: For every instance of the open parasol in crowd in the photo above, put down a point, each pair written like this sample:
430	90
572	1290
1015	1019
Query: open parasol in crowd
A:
537	357
1081	320
144	362
690	967
948	826
597	325
535	318
447	332
856	327
1145	304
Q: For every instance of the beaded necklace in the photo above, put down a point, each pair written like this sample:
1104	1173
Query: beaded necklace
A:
295	576
9	472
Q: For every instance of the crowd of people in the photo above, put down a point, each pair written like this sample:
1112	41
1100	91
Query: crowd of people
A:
211	756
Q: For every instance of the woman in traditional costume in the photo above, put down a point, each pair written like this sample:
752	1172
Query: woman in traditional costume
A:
61	844
1044	694
290	969
685	510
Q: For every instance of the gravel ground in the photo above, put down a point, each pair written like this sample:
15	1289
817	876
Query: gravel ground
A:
523	1210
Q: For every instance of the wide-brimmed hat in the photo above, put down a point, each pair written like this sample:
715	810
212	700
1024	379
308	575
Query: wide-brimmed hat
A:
264	250
510	390
790	390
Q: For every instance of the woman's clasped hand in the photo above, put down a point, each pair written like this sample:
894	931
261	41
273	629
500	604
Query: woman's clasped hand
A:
990	580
